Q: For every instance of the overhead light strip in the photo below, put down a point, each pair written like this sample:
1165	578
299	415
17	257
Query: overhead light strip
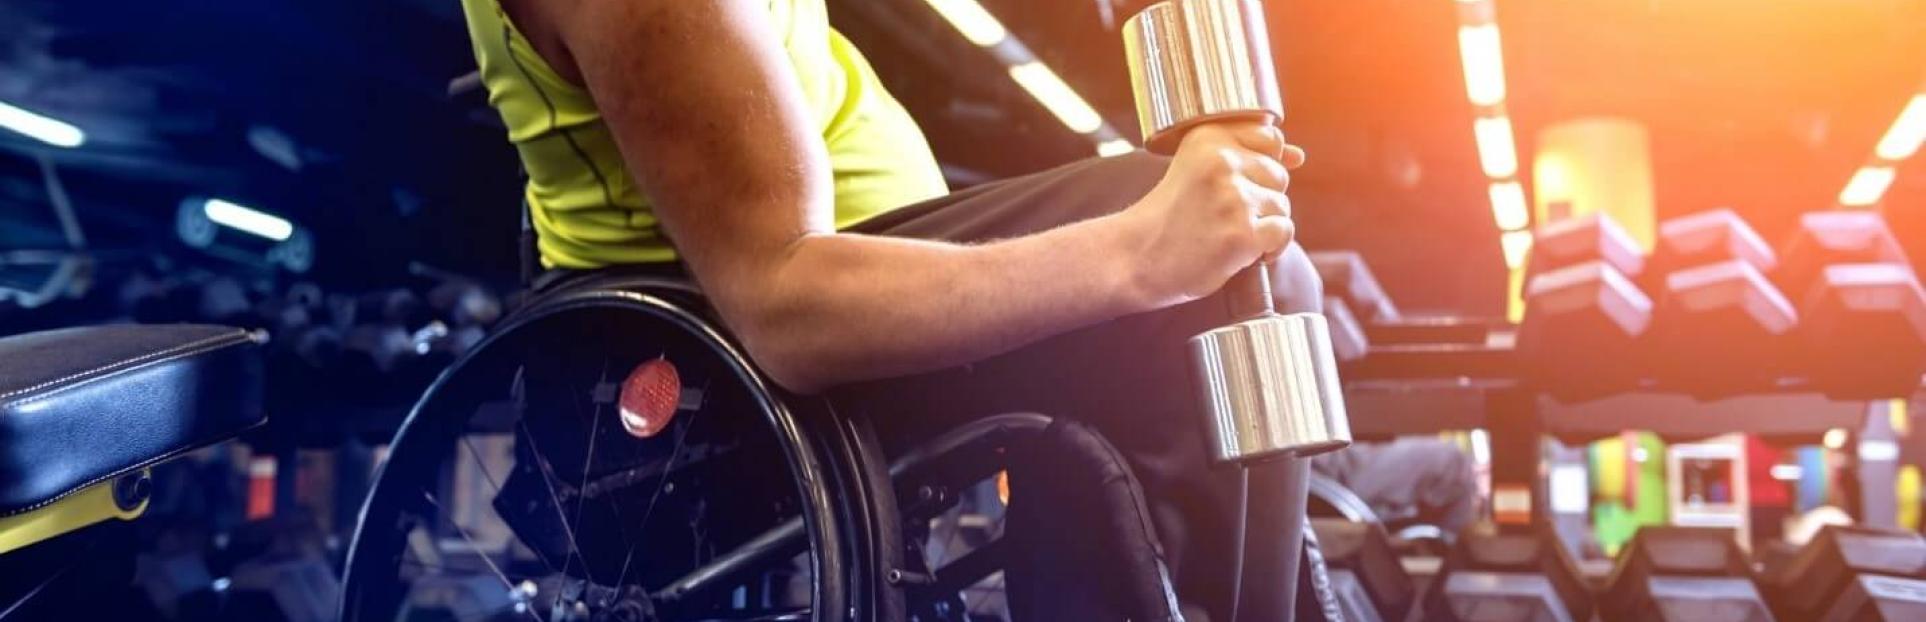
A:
1867	186
970	18
1115	146
1496	150
1063	101
41	127
1900	142
1484	60
1481	51
981	28
1508	206
247	219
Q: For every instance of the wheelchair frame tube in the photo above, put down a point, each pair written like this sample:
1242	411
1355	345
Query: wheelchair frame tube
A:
1277	503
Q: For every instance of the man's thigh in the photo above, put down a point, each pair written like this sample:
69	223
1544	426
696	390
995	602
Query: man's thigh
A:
1133	367
1128	377
1028	204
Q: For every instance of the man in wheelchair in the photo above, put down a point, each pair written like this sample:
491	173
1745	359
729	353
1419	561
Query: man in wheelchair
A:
750	147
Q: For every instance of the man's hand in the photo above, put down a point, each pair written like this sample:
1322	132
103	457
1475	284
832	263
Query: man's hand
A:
1219	209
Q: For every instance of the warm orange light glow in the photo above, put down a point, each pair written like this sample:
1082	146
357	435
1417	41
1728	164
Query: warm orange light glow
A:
1508	206
1595	164
1550	179
1053	93
1496	151
972	20
1867	186
1484	64
1906	134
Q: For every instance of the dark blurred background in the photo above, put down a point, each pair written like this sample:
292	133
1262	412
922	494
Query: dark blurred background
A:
339	117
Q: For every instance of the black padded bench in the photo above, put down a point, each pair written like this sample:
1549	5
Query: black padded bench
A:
81	406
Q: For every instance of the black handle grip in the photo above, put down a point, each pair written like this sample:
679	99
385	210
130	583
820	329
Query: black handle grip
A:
1248	293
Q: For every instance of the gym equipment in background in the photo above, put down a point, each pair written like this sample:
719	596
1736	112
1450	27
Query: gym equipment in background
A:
1353	301
1720	328
1682	574
1851	573
1863	334
1515	574
1584	315
85	413
1365	570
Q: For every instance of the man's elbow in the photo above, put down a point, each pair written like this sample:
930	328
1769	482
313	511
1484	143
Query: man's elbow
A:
788	356
797	379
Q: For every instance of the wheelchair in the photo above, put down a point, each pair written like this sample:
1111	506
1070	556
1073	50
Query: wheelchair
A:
514	491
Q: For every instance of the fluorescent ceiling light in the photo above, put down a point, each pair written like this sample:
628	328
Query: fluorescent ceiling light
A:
1115	146
40	127
1516	245
1062	101
1508	206
1484	64
1867	186
972	20
248	219
1495	150
1903	139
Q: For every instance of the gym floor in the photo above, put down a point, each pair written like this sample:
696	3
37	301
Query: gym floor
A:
1621	302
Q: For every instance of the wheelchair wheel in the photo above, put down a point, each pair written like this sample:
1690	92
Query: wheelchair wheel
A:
515	492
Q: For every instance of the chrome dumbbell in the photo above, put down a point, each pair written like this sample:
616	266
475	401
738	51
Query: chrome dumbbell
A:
1268	381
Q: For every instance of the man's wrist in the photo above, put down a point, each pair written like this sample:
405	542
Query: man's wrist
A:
1122	241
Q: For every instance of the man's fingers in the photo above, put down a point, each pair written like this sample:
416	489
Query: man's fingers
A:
1265	201
1274	233
1267	172
1293	156
1261	138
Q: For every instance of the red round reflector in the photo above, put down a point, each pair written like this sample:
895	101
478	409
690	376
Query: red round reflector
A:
649	398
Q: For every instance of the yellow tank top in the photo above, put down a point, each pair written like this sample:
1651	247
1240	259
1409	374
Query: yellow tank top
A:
587	211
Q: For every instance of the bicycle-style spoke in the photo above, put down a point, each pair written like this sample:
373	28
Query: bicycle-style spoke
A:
541	461
482	465
49	580
669	467
581	487
479	551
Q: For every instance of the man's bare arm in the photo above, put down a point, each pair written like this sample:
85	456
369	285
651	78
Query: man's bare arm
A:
710	119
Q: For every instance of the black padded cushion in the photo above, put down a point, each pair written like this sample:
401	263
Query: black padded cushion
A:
82	405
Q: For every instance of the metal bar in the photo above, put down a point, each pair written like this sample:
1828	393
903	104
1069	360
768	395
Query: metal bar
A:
785	540
1682	416
970	569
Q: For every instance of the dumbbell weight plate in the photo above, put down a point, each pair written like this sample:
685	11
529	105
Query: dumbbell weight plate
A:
1709	237
1835	237
1581	329
1720	329
1592	237
1864	334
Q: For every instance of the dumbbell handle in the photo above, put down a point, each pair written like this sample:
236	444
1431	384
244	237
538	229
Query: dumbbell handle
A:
1248	293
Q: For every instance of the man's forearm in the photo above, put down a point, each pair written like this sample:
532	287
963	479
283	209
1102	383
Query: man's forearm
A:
844	308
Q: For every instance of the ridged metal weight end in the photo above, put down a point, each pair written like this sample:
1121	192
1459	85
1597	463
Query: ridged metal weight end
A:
1199	61
1270	388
